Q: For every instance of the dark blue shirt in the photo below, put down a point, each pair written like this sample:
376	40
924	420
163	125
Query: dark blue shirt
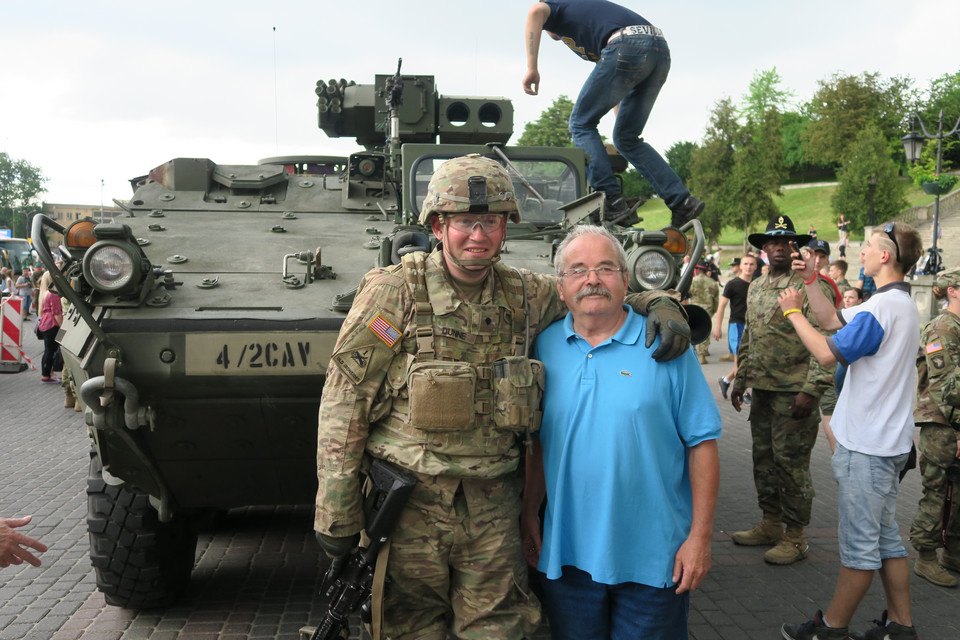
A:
585	25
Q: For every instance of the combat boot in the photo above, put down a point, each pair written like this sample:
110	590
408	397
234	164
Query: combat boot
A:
770	531
950	560
928	567
887	631
792	548
68	398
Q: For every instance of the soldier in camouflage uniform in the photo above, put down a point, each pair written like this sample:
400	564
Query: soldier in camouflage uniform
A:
938	416
787	383
413	381
705	293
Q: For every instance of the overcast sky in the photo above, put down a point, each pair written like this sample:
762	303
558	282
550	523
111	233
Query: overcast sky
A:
106	90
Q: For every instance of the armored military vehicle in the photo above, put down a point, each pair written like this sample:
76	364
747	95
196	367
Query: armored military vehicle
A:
201	321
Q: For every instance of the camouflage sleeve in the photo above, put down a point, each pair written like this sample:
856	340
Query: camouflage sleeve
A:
819	377
640	301
546	307
369	341
942	355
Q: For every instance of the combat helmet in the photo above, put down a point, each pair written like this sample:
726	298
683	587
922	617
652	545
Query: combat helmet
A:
470	184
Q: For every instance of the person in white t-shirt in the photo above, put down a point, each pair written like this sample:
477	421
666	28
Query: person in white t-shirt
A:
873	423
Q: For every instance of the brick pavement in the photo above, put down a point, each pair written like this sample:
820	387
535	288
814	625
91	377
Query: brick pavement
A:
259	568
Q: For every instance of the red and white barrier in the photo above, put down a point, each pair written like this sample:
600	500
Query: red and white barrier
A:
12	358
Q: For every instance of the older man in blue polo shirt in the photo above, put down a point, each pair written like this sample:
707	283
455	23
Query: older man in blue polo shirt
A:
627	457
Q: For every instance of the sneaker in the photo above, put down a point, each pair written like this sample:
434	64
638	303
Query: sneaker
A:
887	631
724	387
48	379
687	211
814	629
617	211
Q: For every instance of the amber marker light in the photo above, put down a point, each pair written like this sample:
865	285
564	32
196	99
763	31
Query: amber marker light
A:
80	234
676	242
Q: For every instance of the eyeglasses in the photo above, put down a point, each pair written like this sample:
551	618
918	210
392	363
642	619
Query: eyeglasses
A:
888	229
578	273
466	222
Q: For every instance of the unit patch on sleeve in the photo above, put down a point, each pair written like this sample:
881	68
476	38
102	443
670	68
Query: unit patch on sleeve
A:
384	330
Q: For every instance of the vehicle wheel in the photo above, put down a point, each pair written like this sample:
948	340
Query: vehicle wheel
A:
139	561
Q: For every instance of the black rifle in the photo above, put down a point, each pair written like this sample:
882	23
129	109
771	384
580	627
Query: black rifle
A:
349	588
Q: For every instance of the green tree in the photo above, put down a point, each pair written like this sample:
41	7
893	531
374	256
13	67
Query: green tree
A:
765	94
758	173
679	157
870	190
20	184
552	128
845	105
712	163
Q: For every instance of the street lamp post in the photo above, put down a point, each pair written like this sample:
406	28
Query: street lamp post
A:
912	145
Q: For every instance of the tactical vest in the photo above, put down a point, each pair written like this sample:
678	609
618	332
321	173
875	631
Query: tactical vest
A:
469	389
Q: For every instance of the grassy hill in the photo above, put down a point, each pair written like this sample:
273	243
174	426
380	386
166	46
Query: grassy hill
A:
805	205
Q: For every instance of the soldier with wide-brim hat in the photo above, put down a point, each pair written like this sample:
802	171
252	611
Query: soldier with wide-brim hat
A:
779	226
786	383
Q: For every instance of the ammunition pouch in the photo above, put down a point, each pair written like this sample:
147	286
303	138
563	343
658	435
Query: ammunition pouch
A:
441	395
517	390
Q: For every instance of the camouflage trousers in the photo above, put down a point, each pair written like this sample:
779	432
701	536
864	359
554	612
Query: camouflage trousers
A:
703	349
456	564
781	456
938	449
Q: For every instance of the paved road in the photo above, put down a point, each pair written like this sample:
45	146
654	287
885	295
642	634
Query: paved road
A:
258	569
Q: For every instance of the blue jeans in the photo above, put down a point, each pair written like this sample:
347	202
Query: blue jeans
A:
580	609
630	73
867	505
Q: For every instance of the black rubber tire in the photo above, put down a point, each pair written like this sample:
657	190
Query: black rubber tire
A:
140	562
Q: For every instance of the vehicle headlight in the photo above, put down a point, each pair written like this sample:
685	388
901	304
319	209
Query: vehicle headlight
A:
650	268
115	267
110	268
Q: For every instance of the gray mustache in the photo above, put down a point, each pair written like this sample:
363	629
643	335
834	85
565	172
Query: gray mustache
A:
592	290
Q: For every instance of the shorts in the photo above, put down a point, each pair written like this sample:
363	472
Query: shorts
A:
867	506
734	333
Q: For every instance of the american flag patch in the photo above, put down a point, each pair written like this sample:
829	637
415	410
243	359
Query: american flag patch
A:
384	330
933	347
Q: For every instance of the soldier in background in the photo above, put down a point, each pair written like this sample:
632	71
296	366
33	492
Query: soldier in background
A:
787	383
705	293
430	374
938	416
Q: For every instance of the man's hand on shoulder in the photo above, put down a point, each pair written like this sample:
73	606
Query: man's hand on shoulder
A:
666	318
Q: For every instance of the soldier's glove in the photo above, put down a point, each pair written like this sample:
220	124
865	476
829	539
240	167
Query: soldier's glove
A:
667	318
338	549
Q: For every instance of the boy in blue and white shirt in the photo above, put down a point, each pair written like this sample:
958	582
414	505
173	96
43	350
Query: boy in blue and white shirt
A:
873	424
